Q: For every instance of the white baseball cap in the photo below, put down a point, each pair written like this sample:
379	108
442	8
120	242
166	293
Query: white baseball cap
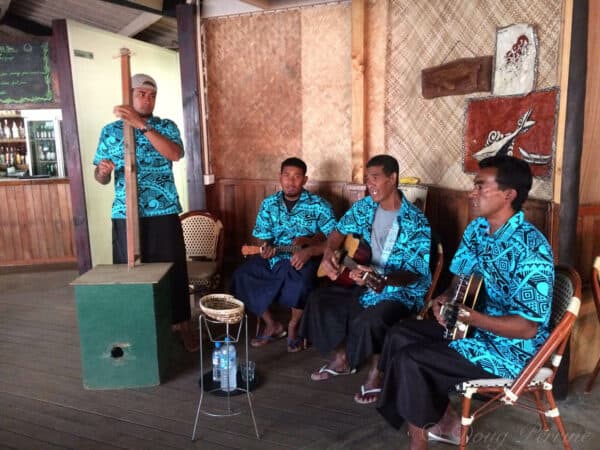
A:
141	80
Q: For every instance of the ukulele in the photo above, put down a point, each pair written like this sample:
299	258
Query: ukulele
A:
301	242
466	292
355	251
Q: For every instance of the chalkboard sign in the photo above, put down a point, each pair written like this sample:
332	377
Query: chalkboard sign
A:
25	75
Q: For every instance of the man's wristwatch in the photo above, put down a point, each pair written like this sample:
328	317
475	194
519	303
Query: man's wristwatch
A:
147	127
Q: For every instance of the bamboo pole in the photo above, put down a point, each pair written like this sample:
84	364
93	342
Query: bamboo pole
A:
131	189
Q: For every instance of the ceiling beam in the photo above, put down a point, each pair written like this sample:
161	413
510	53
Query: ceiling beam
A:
25	25
140	23
4	4
162	7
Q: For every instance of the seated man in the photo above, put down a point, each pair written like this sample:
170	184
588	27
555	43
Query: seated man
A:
292	216
352	322
516	264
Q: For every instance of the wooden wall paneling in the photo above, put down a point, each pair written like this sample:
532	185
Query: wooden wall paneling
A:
64	203
20	238
32	224
588	239
48	229
36	225
7	248
589	189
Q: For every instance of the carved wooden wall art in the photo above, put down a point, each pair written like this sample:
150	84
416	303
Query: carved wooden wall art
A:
458	77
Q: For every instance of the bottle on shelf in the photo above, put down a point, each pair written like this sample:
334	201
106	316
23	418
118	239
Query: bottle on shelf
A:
216	358
15	130
6	130
228	364
21	131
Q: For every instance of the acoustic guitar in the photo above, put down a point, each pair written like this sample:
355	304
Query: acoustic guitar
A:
300	243
355	251
466	292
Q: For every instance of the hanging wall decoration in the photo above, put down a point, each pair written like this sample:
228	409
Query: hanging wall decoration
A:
516	60
462	76
519	126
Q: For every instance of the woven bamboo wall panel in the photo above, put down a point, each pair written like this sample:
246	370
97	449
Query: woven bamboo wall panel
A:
326	91
254	93
426	135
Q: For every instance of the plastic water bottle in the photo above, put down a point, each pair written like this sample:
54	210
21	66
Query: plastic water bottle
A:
216	357
228	364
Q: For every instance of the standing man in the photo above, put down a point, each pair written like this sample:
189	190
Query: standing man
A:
285	218
516	264
352	322
158	144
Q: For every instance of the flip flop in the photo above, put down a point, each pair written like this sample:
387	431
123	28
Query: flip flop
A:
262	339
316	376
295	345
367	396
444	438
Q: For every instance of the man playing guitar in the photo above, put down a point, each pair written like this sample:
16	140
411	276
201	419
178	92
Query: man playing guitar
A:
420	362
352	322
285	269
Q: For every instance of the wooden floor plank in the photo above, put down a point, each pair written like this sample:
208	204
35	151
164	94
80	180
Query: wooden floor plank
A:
43	404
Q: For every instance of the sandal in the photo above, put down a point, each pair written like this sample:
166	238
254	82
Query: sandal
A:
295	345
324	373
367	396
262	340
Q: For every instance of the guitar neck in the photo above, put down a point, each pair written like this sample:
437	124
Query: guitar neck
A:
255	249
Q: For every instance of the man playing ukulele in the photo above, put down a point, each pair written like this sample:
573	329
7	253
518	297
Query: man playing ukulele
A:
287	218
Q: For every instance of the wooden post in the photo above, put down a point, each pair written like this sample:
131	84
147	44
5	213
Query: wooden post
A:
358	91
131	191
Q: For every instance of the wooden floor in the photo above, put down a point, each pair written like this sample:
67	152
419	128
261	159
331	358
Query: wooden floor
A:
43	404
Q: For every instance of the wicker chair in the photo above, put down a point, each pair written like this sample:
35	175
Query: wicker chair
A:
537	376
203	236
596	295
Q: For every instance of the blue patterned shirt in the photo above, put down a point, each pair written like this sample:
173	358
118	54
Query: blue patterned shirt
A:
274	223
410	251
518	274
157	195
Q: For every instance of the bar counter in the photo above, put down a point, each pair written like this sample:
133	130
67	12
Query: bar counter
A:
36	225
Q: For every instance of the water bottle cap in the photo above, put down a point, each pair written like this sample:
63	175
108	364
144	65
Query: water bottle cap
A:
227	339
217	344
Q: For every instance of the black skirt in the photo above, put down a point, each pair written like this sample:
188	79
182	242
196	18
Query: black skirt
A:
161	240
420	370
333	316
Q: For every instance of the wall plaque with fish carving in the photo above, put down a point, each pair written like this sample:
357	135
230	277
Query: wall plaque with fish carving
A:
520	126
462	76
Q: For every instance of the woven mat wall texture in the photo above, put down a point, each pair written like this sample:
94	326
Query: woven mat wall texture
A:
279	85
254	93
426	135
326	92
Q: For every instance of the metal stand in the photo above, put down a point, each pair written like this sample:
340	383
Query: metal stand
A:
203	321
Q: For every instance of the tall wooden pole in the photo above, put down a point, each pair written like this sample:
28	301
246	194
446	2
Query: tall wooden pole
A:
131	190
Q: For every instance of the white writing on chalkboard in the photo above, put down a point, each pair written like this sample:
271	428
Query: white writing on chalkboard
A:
25	75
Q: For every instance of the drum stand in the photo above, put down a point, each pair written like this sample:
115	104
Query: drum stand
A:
204	322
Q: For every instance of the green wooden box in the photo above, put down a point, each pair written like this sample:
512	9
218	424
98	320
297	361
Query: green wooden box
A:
124	317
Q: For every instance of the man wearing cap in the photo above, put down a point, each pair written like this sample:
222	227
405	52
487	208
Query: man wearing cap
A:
158	143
